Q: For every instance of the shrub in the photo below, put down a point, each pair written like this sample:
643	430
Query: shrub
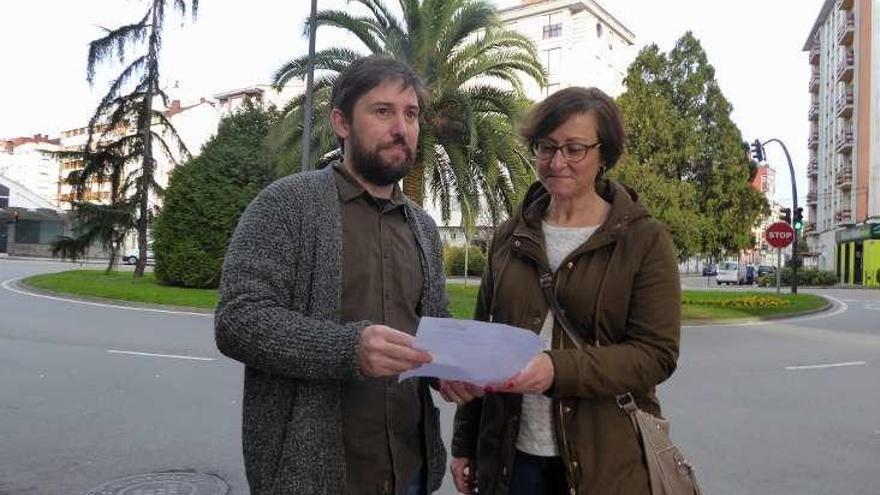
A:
205	198
453	260
805	278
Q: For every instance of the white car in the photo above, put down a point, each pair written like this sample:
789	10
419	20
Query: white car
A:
131	257
731	272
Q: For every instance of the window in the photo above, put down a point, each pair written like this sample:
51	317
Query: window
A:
553	27
598	30
552	62
4	197
552	31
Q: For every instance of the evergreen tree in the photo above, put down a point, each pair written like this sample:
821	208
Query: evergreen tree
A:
679	126
126	122
207	195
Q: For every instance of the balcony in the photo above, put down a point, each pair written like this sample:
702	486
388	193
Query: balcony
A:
813	140
813	168
845	4
814	55
844	104
809	227
846	30
846	65
812	197
814	83
844	141
844	180
843	216
813	114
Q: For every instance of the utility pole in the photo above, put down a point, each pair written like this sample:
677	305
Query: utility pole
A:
310	78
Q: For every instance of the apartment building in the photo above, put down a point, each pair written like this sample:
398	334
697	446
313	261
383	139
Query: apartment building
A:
843	199
580	43
29	162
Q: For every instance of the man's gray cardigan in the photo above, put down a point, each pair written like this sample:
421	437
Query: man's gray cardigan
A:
279	314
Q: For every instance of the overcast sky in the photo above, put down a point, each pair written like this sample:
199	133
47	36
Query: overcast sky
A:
755	47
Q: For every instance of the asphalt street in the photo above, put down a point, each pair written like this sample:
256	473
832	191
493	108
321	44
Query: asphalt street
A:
90	393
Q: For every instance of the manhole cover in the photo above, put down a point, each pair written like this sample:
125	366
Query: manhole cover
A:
163	484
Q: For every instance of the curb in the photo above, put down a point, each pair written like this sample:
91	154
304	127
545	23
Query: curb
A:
756	319
121	303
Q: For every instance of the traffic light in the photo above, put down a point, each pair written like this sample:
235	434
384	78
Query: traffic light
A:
758	150
798	219
786	215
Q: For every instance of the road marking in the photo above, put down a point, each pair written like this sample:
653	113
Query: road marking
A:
823	366
172	356
8	286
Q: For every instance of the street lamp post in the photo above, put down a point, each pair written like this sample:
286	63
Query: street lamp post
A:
310	77
759	151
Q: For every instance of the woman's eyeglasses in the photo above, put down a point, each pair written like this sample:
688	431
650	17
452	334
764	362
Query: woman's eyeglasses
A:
573	152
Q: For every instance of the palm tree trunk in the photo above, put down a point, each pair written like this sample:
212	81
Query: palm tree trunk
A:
414	184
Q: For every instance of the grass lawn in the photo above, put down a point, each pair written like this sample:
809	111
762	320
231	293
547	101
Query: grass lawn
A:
697	305
462	299
122	286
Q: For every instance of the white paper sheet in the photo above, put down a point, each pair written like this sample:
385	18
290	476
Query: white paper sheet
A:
473	351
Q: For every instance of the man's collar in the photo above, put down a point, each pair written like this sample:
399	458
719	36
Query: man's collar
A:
350	188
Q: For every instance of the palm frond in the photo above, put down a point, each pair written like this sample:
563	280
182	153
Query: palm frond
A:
331	59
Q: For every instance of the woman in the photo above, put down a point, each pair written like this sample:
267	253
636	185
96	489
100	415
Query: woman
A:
556	426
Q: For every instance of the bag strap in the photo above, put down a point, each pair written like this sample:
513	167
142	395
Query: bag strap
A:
625	402
546	282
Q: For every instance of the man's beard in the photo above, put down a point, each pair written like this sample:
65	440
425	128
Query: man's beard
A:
375	170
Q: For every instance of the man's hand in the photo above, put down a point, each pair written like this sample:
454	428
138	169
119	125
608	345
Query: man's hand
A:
536	378
464	474
459	392
384	351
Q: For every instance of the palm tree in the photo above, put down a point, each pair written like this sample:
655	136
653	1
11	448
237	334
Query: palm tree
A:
471	65
126	123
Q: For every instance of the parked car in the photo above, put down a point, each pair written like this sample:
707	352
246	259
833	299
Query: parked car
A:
710	270
731	272
131	256
765	269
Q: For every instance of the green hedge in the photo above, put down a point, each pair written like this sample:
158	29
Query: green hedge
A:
805	277
453	259
205	198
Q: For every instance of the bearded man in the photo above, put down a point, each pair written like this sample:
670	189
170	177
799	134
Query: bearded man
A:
322	289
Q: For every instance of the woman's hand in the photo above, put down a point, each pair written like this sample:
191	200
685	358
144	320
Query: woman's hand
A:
536	378
464	474
459	392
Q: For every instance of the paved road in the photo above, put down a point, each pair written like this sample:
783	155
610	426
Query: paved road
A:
746	403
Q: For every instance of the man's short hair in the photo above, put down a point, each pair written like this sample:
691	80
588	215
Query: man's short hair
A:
366	73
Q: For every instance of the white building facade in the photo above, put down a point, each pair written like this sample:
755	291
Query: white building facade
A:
29	162
579	42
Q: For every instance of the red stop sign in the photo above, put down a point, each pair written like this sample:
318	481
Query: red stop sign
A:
779	234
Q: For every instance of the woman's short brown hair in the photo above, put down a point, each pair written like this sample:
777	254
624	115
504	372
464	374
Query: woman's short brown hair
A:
551	113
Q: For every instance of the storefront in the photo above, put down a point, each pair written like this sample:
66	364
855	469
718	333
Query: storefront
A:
858	255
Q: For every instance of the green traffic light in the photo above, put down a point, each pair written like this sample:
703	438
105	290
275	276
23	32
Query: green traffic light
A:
798	225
